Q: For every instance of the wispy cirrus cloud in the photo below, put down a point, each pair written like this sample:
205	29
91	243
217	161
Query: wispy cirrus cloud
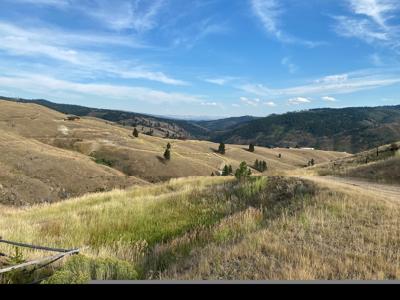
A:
269	13
50	87
332	84
223	80
116	15
137	15
70	48
370	22
287	62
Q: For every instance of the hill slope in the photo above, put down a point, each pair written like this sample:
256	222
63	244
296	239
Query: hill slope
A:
347	129
381	164
39	131
216	228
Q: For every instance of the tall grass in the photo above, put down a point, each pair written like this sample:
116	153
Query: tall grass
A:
215	228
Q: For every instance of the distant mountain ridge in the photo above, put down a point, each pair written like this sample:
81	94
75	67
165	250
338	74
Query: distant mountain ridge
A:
351	129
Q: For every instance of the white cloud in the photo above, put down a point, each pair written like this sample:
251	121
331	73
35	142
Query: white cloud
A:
56	45
298	101
328	99
138	15
209	103
270	104
117	14
371	22
220	80
252	102
269	12
334	84
48	87
378	10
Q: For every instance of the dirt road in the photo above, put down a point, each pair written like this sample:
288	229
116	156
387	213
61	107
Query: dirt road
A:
391	192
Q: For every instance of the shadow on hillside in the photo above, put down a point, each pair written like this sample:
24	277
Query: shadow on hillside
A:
161	159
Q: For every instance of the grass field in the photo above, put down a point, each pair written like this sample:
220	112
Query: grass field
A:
215	228
380	165
47	159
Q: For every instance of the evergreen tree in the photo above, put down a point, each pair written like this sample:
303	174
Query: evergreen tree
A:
230	169
221	148
225	171
264	165
243	172
168	146
167	154
251	148
135	133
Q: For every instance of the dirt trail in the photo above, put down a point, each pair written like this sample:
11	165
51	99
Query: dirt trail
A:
387	191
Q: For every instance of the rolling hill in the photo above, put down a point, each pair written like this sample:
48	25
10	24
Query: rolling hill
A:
46	158
381	165
351	129
346	129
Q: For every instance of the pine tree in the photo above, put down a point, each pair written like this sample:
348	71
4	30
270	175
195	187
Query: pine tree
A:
243	172
264	165
135	133
221	148
167	154
230	169
225	171
168	146
251	148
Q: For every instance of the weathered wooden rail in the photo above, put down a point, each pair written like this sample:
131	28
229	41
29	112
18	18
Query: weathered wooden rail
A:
46	260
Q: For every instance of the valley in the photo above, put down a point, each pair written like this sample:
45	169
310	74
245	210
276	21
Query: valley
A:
90	184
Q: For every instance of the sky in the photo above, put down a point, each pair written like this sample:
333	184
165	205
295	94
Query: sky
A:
215	58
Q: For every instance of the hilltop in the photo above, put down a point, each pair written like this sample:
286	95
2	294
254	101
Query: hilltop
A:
46	158
351	129
346	129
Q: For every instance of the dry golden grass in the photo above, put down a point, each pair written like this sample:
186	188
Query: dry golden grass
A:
217	228
46	159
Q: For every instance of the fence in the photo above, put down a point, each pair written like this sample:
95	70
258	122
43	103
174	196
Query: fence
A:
38	262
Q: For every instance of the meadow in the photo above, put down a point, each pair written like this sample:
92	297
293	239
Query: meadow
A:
213	228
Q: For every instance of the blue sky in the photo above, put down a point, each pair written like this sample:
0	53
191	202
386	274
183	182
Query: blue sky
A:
202	57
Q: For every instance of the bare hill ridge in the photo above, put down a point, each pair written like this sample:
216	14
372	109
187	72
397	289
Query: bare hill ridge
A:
46	158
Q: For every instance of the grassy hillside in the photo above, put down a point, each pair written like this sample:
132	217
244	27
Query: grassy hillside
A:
381	164
145	123
352	129
53	159
214	228
347	129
